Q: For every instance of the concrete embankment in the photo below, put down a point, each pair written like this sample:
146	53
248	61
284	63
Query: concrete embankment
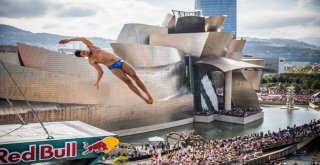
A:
277	103
280	153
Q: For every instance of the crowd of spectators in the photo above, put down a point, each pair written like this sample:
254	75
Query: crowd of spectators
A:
280	95
238	112
238	149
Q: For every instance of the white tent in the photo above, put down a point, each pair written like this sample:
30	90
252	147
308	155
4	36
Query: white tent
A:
156	139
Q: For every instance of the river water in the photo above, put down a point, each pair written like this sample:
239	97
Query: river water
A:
274	118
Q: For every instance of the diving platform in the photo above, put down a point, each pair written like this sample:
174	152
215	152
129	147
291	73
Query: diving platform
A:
29	143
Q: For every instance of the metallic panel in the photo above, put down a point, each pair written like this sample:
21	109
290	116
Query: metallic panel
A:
190	24
214	23
170	23
112	90
205	44
223	64
48	87
107	117
254	76
45	86
51	61
243	95
139	55
10	57
190	43
236	45
139	33
235	56
216	44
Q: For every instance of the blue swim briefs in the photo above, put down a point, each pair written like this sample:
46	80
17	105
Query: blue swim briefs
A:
117	64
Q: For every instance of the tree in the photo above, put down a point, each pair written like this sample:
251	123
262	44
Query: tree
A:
296	87
282	78
307	83
315	85
120	160
264	81
273	79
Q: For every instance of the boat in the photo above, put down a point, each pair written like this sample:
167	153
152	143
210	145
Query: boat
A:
314	105
290	99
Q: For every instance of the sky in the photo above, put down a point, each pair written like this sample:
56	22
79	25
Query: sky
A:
105	18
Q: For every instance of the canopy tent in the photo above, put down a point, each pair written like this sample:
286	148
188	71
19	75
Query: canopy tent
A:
316	95
156	139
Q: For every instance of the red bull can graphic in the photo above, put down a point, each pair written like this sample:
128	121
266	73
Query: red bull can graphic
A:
105	145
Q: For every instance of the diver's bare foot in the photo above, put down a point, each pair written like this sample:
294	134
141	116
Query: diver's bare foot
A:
148	101
150	97
151	101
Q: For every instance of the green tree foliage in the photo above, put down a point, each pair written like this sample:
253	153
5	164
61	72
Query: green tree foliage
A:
298	80
315	85
120	160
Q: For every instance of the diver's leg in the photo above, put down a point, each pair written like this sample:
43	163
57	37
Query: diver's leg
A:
122	76
128	69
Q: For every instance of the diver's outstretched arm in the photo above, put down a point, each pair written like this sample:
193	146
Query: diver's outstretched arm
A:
82	39
100	73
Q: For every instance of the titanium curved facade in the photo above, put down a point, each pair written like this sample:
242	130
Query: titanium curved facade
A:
195	44
51	61
173	100
224	64
243	94
189	43
183	67
216	44
236	45
235	49
214	23
43	86
190	24
170	23
81	76
254	76
139	33
139	55
10	57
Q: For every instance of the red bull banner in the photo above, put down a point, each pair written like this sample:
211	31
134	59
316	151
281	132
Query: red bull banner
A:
53	150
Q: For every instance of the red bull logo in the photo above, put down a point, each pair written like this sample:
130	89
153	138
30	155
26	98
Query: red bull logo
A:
97	147
105	145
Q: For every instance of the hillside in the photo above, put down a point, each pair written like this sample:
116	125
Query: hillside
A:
292	50
311	40
10	35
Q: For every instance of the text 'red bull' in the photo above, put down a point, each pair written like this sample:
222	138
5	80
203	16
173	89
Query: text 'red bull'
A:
46	152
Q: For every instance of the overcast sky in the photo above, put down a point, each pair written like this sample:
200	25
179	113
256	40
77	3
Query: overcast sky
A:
105	18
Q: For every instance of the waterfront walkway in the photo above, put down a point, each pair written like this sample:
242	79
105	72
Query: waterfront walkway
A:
251	149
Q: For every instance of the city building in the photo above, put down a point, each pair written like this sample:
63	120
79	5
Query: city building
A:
227	8
274	65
